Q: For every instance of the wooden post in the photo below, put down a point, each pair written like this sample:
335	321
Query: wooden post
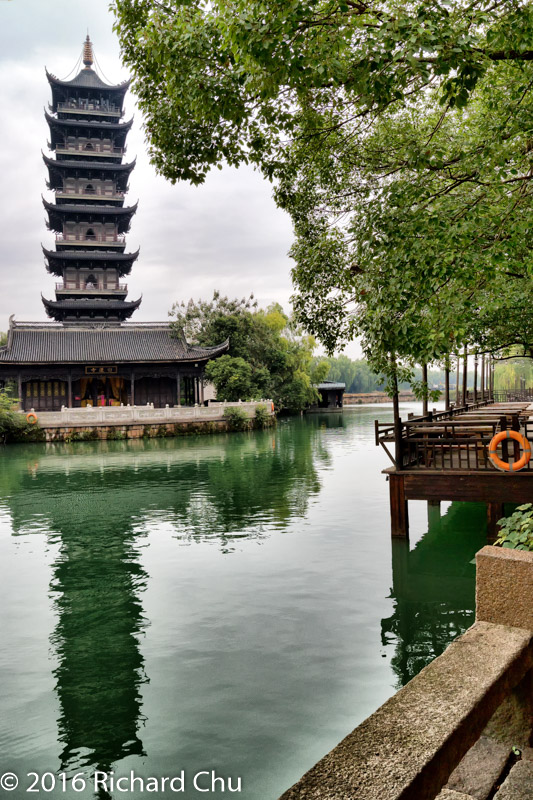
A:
475	377
465	375
178	382
447	384
433	512
425	382
132	384
505	442
515	426
399	514
19	384
398	444
494	513
201	379
69	390
457	395
483	376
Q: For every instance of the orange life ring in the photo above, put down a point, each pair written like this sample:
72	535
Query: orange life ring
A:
31	418
505	466
272	407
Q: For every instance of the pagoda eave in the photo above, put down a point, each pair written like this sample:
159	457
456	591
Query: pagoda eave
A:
73	164
97	82
89	308
84	124
58	215
57	260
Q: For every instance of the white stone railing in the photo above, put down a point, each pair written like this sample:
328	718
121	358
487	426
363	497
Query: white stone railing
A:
146	415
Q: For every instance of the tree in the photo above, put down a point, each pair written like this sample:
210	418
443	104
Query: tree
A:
268	356
232	378
398	138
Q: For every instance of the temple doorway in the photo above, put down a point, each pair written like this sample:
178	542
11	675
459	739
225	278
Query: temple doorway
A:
103	390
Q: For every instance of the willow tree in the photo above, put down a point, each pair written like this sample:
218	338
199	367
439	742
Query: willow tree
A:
397	135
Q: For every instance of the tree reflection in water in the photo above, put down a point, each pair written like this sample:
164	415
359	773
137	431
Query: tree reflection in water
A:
433	588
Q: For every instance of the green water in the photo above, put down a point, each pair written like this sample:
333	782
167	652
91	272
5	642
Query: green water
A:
228	603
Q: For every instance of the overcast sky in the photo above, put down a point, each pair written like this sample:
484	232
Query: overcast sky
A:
227	234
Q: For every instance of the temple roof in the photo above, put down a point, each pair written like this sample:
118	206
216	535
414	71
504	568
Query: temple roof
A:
331	385
50	343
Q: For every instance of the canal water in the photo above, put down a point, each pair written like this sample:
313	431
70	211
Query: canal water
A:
229	605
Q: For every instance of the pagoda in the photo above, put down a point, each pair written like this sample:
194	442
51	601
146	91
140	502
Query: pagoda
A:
90	181
89	354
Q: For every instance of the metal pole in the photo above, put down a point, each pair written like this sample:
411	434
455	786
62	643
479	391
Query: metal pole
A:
447	383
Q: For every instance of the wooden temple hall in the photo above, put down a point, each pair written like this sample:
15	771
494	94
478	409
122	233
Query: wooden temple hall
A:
90	354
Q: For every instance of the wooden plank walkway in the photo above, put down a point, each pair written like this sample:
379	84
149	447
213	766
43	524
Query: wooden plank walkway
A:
445	456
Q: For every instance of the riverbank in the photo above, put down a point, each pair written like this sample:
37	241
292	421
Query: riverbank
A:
365	398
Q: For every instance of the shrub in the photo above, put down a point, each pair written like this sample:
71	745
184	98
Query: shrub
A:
516	531
13	425
237	419
262	417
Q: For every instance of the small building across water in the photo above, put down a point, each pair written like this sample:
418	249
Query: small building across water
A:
331	395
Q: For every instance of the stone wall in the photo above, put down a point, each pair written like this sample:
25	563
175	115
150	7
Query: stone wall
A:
135	422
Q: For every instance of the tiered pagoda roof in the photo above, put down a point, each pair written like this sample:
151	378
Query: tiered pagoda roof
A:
90	180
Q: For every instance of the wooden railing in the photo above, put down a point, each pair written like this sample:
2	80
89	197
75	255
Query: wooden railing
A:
97	238
121	287
95	150
109	194
440	441
86	107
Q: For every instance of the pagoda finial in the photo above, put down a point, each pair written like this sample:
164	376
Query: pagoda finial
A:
88	52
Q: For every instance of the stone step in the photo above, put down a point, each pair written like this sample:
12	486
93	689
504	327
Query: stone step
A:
479	771
518	785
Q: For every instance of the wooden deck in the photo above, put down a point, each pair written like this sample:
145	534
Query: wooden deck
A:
444	456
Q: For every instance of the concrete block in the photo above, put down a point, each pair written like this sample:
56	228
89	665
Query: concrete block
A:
519	783
409	747
504	587
450	794
480	769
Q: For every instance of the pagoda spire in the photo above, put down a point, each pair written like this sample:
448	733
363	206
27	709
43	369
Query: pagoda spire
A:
88	55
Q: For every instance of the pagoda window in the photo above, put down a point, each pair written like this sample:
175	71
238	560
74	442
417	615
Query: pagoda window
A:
91	282
90	234
89	189
89	146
